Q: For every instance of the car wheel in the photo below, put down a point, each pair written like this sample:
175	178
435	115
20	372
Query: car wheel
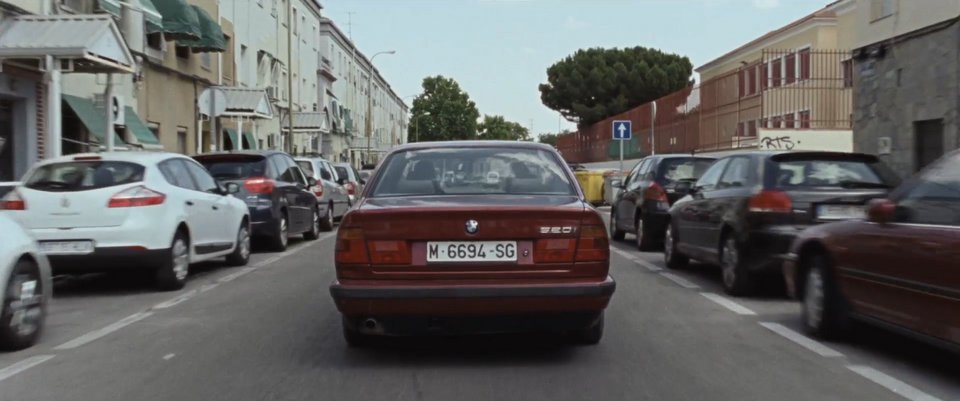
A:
172	275
23	307
616	233
326	224
737	281
279	239
241	253
315	223
644	239
671	255
824	310
591	335
352	336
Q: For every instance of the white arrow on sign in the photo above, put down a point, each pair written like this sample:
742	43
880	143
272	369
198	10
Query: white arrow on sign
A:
622	128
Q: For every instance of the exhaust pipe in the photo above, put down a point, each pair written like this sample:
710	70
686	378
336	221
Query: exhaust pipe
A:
371	324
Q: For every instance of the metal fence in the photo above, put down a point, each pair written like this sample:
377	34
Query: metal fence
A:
796	89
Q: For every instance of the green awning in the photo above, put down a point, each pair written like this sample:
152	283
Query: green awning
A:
139	130
151	16
251	141
91	117
211	37
180	20
232	135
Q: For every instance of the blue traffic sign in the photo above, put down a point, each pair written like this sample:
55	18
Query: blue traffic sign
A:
622	130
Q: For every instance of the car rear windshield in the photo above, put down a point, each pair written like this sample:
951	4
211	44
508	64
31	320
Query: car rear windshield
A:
76	176
342	172
832	172
682	168
473	171
306	166
235	168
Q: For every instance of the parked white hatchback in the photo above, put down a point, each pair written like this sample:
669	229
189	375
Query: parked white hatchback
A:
25	287
130	210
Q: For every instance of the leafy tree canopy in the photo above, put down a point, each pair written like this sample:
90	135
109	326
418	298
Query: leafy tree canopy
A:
443	112
596	83
498	128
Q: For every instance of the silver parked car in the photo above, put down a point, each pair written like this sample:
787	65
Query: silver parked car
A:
350	178
332	198
25	285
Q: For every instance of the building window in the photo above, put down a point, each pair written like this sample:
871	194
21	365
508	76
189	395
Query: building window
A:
788	121
752	81
805	119
741	128
155	41
206	61
882	8
847	66
182	140
927	142
183	52
804	64
296	26
775	122
775	73
752	128
790	65
764	79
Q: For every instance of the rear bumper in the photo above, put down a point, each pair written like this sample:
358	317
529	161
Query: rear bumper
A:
769	247
656	222
263	223
489	300
109	258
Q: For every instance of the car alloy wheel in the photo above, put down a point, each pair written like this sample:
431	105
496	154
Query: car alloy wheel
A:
283	232
243	239
181	259
23	307
730	260
668	244
813	299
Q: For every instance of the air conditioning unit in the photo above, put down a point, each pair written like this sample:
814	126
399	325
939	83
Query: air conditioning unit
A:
273	92
117	105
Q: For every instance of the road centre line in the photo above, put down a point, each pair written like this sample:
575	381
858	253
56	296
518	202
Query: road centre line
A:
680	281
23	365
183	297
96	334
902	389
727	303
802	340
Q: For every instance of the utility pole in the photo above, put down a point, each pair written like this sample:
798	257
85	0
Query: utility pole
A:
288	146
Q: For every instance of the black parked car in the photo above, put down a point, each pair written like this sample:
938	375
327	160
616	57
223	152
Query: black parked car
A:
647	193
275	189
745	211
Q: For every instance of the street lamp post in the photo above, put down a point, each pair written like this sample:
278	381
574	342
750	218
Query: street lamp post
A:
370	100
417	123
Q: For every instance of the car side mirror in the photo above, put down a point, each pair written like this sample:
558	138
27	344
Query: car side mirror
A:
311	181
881	211
616	184
231	188
324	174
363	181
683	187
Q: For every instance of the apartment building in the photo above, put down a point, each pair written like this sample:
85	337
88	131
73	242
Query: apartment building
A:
907	63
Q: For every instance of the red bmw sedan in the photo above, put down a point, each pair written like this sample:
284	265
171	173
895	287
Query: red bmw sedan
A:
472	238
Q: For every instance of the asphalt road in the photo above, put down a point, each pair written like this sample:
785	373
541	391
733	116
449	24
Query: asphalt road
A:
270	332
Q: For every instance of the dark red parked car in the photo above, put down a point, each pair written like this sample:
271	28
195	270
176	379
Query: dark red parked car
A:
472	237
899	267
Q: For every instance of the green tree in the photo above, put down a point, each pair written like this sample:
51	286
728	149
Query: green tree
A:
549	138
498	128
596	83
443	112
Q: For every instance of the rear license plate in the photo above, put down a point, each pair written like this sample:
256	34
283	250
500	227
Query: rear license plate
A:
66	247
840	212
472	251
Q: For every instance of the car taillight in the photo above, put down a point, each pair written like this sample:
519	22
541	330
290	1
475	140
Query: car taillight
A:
389	252
770	202
593	245
655	193
350	188
259	185
351	247
136	197
318	190
554	250
13	201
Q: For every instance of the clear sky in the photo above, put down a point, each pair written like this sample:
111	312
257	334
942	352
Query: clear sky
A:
499	50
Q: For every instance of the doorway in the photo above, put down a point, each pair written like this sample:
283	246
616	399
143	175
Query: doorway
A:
7	144
927	142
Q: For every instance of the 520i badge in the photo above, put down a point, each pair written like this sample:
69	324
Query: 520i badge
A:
557	230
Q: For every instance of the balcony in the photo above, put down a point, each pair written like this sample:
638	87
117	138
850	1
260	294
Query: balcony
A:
326	69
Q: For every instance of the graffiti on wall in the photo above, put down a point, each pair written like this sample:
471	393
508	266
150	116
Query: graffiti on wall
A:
805	139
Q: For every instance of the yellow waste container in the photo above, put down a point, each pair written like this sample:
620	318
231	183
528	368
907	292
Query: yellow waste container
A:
591	181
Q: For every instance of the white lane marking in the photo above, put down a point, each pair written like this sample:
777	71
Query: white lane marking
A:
650	266
168	357
96	334
680	281
903	389
208	287
802	340
23	365
726	303
233	276
623	253
266	263
176	300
